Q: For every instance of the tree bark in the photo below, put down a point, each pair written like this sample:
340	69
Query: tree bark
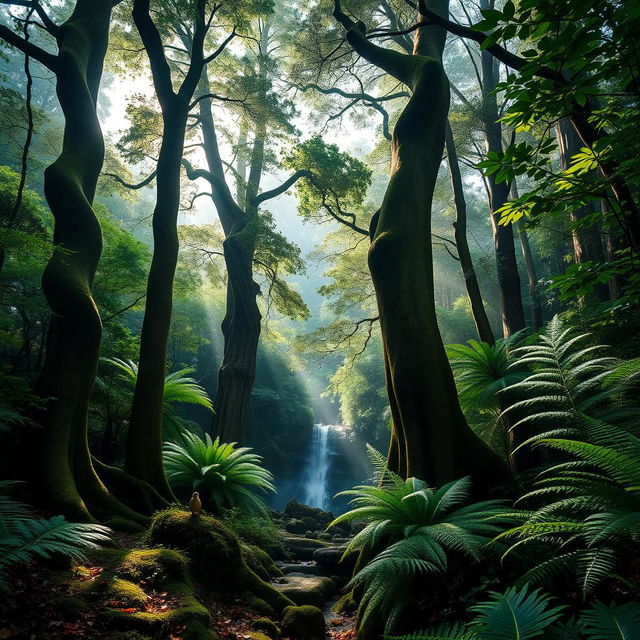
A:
68	482
506	264
483	326
433	439
587	241
145	439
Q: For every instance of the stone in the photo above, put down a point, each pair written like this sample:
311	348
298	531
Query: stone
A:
304	589
330	558
295	526
303	623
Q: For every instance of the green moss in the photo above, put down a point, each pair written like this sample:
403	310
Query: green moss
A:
303	623
346	604
195	630
307	589
268	627
188	611
295	526
154	566
258	635
262	560
213	549
260	606
125	592
127	635
124	525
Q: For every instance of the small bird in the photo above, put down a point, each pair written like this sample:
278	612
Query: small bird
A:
195	504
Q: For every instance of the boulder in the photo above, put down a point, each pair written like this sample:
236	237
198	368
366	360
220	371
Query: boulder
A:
302	548
304	589
268	627
303	623
295	509
295	526
330	559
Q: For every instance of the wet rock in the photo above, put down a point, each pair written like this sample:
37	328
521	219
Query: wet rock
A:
295	526
303	623
305	589
295	509
302	548
330	559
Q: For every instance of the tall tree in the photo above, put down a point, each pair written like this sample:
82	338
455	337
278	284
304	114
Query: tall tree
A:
430	437
68	481
144	443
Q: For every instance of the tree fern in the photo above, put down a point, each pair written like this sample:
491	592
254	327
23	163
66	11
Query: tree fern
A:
226	476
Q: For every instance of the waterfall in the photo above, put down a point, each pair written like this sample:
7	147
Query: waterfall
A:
315	487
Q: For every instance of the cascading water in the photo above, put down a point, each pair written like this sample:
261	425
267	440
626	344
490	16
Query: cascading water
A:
315	489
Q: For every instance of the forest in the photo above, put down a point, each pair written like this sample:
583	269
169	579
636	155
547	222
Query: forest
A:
319	320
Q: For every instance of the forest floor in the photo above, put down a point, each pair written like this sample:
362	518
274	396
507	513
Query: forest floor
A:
44	604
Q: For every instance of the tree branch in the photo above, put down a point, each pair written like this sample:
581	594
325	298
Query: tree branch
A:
129	185
288	183
43	57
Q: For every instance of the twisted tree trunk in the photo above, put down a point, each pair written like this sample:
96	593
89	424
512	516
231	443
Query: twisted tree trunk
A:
432	439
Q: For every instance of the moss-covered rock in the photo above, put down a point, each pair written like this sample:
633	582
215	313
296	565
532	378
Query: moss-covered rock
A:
258	635
303	623
214	551
125	593
311	534
346	604
295	526
268	627
260	562
307	589
153	566
325	536
310	523
295	509
259	606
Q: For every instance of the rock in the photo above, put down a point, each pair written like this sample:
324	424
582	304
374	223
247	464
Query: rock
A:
309	568
324	536
310	523
260	606
214	552
295	509
330	558
311	534
295	526
307	589
268	627
302	548
303	623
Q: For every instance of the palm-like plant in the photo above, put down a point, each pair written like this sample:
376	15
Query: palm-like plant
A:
590	516
179	388
482	372
225	475
521	614
23	537
411	530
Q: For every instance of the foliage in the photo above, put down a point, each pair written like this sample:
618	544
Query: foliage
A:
525	614
179	388
24	538
411	531
225	475
257	529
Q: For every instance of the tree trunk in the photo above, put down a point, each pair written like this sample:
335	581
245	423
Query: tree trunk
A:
483	326
144	443
433	439
506	264
587	241
68	481
145	440
534	293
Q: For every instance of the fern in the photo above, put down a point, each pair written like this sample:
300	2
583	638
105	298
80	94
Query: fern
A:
410	529
225	475
615	622
23	538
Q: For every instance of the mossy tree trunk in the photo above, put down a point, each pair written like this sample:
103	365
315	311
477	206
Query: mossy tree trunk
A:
432	439
67	481
145	439
483	326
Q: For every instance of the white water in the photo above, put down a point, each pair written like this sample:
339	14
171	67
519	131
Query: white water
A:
315	486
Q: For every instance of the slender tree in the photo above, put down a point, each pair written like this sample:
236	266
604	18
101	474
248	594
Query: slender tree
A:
144	442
